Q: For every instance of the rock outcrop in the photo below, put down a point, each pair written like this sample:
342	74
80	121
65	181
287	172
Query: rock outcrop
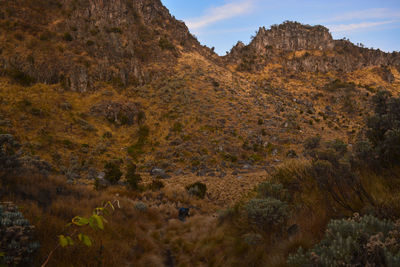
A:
293	36
277	45
81	42
120	113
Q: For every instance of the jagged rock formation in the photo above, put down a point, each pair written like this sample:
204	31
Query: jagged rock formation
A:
277	45
119	113
81	42
293	37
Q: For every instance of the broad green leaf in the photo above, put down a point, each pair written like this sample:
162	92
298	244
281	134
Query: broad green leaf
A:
63	241
70	241
2	254
85	240
92	223
106	211
99	221
80	221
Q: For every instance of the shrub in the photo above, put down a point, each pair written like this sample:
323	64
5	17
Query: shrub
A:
140	206
293	175
197	189
16	238
338	84
268	213
165	44
335	177
112	172
339	146
177	128
67	37
132	177
269	189
137	149
384	130
365	241
143	132
114	30
9	156
107	135
20	77
312	142
156	185
228	214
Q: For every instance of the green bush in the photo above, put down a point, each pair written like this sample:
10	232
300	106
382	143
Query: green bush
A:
269	189
384	131
16	239
268	213
165	44
312	142
112	172
197	189
339	146
137	149
359	241
132	177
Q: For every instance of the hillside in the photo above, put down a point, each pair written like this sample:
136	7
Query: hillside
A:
90	84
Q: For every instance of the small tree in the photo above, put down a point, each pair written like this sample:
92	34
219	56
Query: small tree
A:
112	172
132	177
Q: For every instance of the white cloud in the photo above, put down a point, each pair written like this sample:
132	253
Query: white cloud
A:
358	26
373	13
227	11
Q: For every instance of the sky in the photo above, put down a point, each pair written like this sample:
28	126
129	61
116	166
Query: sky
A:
222	23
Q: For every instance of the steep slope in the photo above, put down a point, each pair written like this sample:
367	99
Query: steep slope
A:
155	96
79	43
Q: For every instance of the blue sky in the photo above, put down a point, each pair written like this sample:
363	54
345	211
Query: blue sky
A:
221	23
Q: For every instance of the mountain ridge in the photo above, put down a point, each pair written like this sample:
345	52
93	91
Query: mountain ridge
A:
278	42
79	43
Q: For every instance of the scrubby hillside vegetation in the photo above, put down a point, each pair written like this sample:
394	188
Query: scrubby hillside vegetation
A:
124	142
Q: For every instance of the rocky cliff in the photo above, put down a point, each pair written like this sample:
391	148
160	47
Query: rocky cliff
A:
80	42
322	53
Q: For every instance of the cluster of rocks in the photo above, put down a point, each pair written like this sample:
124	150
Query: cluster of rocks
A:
16	237
120	113
13	158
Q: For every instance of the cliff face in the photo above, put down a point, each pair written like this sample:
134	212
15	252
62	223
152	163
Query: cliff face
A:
277	45
80	42
293	36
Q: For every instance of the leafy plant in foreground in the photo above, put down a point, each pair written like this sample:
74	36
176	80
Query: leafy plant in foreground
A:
96	222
